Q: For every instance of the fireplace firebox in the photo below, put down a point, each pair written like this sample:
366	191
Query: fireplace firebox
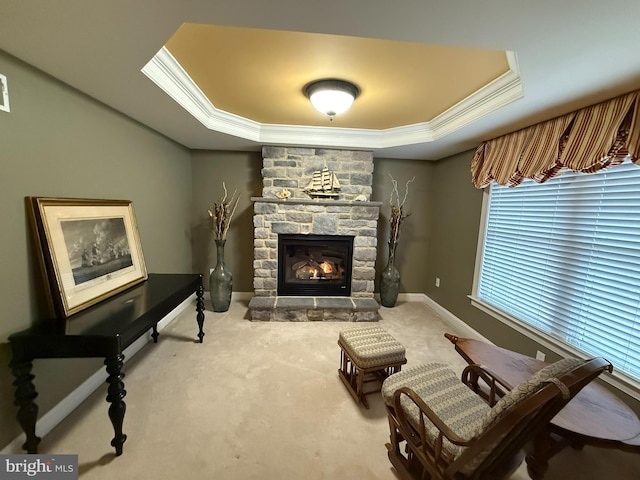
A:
314	265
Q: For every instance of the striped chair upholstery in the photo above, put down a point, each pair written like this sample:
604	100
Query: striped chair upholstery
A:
439	386
456	404
491	442
528	388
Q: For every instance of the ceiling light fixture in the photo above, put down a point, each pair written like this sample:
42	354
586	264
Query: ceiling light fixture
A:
331	96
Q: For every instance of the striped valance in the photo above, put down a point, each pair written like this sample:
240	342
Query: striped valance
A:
585	140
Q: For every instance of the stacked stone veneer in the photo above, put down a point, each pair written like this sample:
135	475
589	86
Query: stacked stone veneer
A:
273	217
292	168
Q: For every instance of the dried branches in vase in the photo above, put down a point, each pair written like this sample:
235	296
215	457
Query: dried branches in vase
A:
398	214
222	213
390	277
221	279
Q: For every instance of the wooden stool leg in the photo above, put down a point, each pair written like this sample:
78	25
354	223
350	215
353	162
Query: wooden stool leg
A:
347	373
360	390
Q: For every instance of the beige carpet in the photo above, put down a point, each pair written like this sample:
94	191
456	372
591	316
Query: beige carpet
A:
254	401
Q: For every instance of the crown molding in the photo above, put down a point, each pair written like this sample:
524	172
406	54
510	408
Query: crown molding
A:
502	91
165	71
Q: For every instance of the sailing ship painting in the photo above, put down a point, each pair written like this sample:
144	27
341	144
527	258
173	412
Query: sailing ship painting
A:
324	183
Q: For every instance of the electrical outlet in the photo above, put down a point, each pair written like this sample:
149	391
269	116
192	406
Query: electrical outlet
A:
540	355
437	281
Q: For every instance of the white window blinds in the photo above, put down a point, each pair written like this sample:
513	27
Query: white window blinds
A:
564	257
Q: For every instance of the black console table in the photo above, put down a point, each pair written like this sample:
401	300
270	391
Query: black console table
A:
103	330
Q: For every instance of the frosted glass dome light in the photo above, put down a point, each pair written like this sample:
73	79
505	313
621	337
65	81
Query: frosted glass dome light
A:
331	96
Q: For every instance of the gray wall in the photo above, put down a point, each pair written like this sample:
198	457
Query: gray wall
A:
59	142
238	170
415	233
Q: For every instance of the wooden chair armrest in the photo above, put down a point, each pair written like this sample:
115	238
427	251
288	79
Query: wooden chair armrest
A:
496	385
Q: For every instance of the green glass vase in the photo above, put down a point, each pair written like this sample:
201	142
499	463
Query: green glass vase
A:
390	279
220	281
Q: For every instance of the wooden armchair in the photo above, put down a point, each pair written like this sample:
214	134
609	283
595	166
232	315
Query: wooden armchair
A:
451	432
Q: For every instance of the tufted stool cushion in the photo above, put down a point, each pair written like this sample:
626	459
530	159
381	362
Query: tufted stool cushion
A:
371	346
368	354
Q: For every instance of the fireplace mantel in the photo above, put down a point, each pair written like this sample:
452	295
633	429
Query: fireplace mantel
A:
316	201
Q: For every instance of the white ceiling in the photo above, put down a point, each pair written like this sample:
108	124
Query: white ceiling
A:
570	53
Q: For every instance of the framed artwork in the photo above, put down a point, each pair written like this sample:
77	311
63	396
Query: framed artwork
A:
89	249
4	94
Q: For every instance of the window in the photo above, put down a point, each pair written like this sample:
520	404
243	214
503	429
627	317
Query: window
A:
562	259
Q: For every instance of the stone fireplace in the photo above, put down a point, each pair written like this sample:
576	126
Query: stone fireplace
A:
349	216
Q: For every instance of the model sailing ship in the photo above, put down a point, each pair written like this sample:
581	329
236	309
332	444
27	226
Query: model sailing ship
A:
324	183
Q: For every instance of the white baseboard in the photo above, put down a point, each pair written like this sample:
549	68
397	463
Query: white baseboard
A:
445	314
412	297
68	404
242	296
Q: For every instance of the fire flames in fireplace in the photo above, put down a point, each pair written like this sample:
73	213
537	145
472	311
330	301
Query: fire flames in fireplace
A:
316	266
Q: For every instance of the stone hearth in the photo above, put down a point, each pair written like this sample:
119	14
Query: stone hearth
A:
302	309
292	168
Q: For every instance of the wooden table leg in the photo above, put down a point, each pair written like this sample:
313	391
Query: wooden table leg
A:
115	394
154	333
25	394
538	459
200	310
545	446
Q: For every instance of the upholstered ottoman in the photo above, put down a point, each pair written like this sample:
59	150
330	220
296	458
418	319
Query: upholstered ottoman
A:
368	354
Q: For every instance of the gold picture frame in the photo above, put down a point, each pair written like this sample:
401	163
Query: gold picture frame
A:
89	250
